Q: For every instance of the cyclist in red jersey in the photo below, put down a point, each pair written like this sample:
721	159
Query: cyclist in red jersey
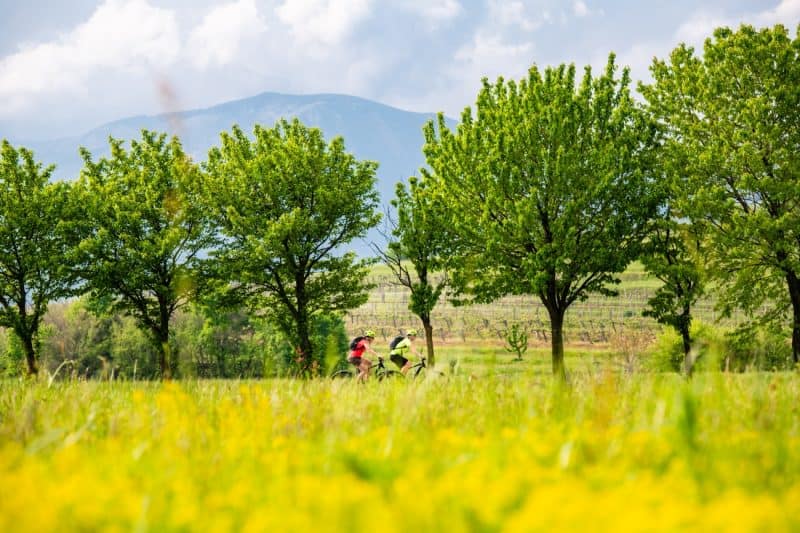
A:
357	358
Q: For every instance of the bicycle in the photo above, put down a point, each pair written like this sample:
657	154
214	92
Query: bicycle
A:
422	368
380	371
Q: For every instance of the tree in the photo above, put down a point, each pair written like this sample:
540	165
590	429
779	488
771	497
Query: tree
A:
671	254
145	231
287	203
420	238
36	239
733	118
548	186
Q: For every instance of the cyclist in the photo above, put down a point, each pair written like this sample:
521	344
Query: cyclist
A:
404	348
357	358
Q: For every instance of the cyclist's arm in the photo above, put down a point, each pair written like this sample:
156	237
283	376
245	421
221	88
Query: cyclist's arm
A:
416	351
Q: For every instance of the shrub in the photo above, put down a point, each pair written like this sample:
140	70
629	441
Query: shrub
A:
708	348
12	359
330	347
752	348
630	347
516	341
718	348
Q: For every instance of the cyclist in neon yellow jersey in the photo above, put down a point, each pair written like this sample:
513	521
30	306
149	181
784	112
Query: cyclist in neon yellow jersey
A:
399	355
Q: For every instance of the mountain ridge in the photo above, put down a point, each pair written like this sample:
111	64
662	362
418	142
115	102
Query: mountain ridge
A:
371	130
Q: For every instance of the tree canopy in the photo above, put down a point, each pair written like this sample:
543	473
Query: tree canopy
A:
733	122
673	255
547	186
418	250
145	231
37	238
287	203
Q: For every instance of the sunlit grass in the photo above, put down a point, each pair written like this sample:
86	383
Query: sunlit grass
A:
499	451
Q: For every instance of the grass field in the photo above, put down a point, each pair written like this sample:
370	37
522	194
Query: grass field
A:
506	451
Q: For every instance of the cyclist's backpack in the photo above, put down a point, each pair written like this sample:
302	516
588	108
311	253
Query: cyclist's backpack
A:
354	342
395	342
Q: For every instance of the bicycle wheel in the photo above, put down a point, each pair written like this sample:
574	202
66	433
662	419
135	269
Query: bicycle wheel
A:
424	372
340	374
417	372
389	374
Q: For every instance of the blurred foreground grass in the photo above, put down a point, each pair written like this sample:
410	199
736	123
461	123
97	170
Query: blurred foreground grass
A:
499	452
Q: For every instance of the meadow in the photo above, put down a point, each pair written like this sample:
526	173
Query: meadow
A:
503	451
494	444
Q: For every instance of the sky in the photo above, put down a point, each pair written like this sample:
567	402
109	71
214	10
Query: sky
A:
69	65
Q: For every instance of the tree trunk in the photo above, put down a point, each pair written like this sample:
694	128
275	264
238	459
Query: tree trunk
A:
305	351
426	324
30	355
688	364
164	355
557	342
304	356
794	296
684	329
165	351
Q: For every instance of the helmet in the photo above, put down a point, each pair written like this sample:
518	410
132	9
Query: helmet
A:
411	333
369	333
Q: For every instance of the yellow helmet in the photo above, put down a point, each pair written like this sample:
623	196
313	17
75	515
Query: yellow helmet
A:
369	333
411	333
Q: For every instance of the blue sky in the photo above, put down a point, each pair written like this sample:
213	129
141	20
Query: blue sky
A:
68	66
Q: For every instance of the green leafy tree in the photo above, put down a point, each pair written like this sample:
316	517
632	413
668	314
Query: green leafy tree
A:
287	204
36	238
78	339
548	188
145	231
133	351
420	239
672	254
733	120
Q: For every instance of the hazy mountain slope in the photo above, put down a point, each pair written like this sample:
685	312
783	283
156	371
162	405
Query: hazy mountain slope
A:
371	130
391	136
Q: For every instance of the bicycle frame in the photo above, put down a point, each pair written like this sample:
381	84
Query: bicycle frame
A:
380	370
417	367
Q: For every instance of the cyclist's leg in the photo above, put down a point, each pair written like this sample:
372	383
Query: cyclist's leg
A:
363	368
402	363
357	362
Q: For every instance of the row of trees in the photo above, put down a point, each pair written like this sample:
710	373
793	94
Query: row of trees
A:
553	185
74	340
146	231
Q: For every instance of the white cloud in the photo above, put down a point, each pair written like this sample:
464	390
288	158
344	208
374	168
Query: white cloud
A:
638	58
580	8
788	11
434	11
491	56
322	22
702	24
515	13
219	37
120	35
699	26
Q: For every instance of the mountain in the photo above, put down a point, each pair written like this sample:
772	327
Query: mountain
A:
371	130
